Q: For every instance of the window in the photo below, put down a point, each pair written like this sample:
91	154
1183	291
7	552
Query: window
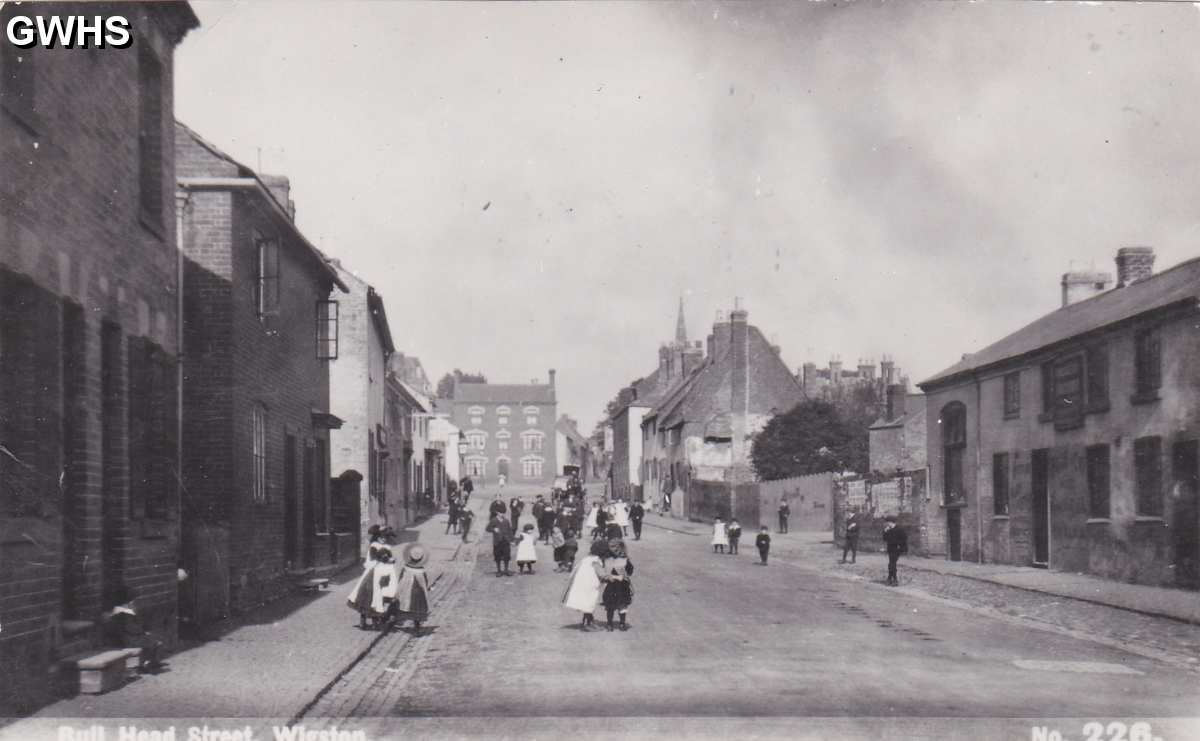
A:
503	435
258	422
502	420
1000	484
954	444
1068	392
1147	463
17	78
503	410
150	135
531	420
477	466
1147	363
476	420
1012	395
327	330
1098	481
531	467
1097	378
502	445
151	448
477	440
475	411
1048	388
532	440
266	277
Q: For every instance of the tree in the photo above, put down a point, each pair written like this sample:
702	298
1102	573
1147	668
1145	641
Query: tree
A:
445	387
811	438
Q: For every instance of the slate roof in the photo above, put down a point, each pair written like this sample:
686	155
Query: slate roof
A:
502	393
1175	286
914	405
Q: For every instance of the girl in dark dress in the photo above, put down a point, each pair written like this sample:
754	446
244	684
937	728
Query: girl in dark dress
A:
618	587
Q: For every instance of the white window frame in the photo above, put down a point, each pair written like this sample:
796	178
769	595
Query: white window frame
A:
258	452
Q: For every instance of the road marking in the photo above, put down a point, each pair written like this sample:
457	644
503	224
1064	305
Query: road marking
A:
1075	667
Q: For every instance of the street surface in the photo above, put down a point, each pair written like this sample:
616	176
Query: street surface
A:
719	635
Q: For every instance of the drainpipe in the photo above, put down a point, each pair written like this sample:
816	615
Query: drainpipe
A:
182	201
978	447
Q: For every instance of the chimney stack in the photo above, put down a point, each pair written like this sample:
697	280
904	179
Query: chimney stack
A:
1134	264
1080	285
720	335
551	378
280	188
895	401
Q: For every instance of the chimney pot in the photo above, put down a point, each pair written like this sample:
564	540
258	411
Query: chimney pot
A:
551	378
1080	285
1134	264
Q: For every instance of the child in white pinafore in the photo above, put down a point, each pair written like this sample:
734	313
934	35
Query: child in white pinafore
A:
526	549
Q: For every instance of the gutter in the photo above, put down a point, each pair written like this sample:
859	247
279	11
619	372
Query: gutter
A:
978	470
257	186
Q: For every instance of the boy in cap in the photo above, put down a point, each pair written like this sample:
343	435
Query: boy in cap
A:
897	545
763	542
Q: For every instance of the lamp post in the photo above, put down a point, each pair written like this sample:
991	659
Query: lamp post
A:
462	456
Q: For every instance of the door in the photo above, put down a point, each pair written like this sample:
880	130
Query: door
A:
1185	520
502	467
1040	495
954	532
289	500
308	524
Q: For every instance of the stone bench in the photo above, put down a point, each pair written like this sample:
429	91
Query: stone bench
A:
102	672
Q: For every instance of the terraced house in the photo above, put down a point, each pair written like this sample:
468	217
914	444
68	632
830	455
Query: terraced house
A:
1074	442
89	342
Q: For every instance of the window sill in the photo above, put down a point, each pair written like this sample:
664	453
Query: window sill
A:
1099	521
1012	415
1148	518
1144	397
1004	518
954	505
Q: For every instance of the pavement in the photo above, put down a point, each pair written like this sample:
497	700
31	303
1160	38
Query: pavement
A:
1175	604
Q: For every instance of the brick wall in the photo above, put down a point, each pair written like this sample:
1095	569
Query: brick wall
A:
91	279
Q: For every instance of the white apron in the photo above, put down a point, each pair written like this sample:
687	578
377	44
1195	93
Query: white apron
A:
584	590
525	549
623	515
720	537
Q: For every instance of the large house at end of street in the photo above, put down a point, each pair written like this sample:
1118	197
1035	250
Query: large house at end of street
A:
509	430
1074	443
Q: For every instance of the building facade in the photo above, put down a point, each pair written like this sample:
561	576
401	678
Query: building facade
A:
896	441
1073	443
88	346
260	328
509	429
357	396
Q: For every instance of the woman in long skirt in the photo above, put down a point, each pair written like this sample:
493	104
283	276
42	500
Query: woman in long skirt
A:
583	591
412	591
618	588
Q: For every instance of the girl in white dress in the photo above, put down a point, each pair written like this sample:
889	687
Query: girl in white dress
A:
720	537
526	549
622	512
583	591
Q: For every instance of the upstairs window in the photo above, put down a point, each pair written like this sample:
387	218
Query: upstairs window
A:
1068	392
266	277
150	136
1097	378
502	420
531	420
327	330
16	77
1147	363
532	441
1012	395
954	444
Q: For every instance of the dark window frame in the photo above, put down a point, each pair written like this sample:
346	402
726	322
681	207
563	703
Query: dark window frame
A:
266	276
954	443
327	329
1148	476
1099	481
1001	484
1096	377
1012	395
1147	364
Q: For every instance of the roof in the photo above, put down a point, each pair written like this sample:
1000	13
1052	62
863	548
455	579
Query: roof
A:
914	405
504	393
570	431
265	192
413	397
1179	285
379	316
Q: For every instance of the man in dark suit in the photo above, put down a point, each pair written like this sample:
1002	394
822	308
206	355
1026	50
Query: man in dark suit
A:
897	545
636	514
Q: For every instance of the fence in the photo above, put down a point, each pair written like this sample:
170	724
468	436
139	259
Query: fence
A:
809	498
874	498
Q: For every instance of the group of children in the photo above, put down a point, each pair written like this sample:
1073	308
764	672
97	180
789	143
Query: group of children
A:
602	579
387	593
727	535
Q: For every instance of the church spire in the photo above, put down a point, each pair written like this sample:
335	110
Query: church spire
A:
680	327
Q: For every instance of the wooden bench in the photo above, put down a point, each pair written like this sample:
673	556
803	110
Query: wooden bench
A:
100	672
312	585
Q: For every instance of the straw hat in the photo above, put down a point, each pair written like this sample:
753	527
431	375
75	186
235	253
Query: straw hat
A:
416	556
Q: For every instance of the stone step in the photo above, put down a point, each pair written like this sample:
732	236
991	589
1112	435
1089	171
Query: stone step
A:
99	672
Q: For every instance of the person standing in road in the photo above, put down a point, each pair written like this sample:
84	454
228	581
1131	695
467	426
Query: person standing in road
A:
636	514
897	545
720	537
546	522
583	591
784	512
614	571
539	509
526	549
468	486
452	515
496	507
465	520
851	545
515	505
412	590
502	535
735	534
763	542
621	513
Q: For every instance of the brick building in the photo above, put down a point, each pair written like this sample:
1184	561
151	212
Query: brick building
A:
89	289
259	331
1072	443
631	474
509	429
896	441
357	396
701	430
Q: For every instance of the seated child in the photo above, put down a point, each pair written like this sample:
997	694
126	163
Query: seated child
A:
123	627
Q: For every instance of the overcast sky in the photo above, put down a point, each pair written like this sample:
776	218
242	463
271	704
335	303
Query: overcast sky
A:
910	179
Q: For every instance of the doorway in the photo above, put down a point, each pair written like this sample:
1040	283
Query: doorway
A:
1185	517
502	468
289	500
954	532
1040	491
